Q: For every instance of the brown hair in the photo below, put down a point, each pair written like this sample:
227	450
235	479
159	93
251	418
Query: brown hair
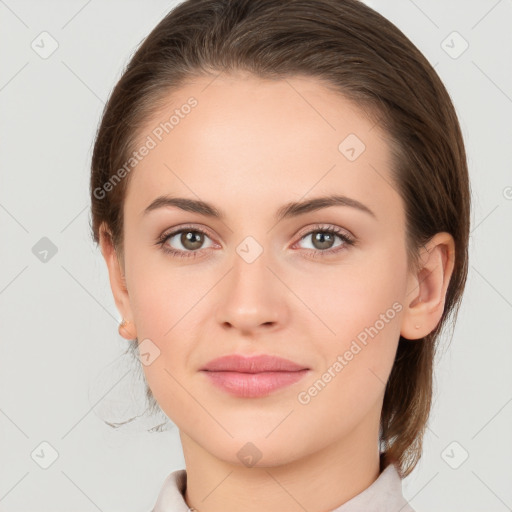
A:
361	55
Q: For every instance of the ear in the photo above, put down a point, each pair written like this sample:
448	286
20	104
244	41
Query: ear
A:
117	282
427	287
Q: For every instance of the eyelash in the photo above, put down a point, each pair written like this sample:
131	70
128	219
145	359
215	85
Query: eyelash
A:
332	230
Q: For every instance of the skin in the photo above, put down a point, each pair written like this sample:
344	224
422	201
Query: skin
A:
249	147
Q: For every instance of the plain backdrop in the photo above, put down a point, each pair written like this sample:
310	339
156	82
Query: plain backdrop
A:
62	365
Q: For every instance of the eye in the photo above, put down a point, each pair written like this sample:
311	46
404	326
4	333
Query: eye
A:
187	242
323	239
190	239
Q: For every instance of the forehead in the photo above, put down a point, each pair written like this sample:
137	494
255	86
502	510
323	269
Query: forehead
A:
243	141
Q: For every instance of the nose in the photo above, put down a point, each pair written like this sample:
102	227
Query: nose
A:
251	298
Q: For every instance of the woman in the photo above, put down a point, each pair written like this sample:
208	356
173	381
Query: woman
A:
280	193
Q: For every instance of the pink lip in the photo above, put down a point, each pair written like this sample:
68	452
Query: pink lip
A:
255	376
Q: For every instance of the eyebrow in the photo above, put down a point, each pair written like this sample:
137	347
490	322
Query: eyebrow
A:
289	210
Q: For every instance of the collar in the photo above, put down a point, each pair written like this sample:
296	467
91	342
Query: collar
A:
383	495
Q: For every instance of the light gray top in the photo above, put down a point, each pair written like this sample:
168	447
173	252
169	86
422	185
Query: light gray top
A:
383	495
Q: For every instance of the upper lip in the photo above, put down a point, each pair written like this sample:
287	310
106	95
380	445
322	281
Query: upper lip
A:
252	364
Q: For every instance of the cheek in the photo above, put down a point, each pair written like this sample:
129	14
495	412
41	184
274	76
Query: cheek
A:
345	301
166	304
162	294
362	310
357	364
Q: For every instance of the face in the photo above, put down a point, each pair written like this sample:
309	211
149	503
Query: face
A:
321	286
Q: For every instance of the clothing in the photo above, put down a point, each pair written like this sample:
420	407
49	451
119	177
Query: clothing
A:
383	495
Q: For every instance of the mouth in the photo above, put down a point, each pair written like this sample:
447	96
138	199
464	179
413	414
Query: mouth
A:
253	376
253	364
253	385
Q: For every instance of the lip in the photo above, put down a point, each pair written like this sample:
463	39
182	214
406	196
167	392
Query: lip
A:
252	364
254	376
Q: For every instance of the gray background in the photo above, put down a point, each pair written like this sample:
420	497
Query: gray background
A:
62	368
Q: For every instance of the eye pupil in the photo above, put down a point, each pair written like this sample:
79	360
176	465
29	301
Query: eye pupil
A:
321	237
192	239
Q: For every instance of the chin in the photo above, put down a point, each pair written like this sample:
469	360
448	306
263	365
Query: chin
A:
254	452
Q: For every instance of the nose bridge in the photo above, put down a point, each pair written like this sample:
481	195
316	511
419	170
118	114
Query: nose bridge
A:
250	274
252	295
250	264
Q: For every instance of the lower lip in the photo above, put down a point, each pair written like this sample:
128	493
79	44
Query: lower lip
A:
251	385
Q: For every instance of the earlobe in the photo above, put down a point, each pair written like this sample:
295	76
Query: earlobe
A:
428	287
127	330
117	282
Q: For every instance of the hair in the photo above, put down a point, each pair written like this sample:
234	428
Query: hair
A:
358	53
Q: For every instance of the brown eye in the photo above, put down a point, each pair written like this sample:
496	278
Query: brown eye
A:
185	240
192	240
322	239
